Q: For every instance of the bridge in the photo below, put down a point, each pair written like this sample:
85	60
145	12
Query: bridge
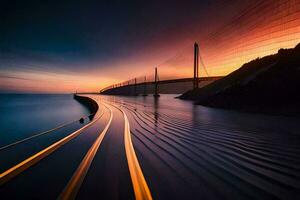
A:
170	86
174	86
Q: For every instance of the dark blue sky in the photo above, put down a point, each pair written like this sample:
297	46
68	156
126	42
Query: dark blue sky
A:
89	29
76	35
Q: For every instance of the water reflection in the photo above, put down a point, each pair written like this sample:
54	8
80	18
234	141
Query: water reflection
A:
156	106
231	151
195	115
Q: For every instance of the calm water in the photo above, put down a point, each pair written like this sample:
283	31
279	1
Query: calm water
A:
185	151
23	115
196	152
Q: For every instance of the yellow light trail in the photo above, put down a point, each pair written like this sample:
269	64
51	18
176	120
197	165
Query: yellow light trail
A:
38	134
22	166
141	189
74	184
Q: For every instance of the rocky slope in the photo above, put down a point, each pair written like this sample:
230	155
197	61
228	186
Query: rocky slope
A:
268	84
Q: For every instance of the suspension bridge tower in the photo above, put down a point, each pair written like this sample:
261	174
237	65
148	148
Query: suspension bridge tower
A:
156	84
196	66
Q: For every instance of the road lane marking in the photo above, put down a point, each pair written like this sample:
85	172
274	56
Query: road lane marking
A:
141	189
74	184
22	166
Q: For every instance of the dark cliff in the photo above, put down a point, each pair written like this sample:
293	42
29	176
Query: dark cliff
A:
264	84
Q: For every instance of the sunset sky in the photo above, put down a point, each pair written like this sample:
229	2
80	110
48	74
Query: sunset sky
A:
86	45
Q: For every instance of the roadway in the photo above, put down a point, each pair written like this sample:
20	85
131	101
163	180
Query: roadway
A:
87	163
138	147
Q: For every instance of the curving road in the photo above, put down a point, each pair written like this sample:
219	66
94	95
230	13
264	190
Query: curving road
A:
95	161
145	148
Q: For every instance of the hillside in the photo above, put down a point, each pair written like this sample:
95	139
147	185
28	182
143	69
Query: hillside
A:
268	84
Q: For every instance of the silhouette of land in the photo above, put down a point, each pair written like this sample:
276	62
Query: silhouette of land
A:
269	84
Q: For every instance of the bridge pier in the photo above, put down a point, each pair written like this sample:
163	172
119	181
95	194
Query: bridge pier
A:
196	66
156	84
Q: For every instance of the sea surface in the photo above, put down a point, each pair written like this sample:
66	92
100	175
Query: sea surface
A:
23	115
185	151
189	151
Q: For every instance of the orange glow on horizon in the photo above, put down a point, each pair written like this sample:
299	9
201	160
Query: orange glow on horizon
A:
271	26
